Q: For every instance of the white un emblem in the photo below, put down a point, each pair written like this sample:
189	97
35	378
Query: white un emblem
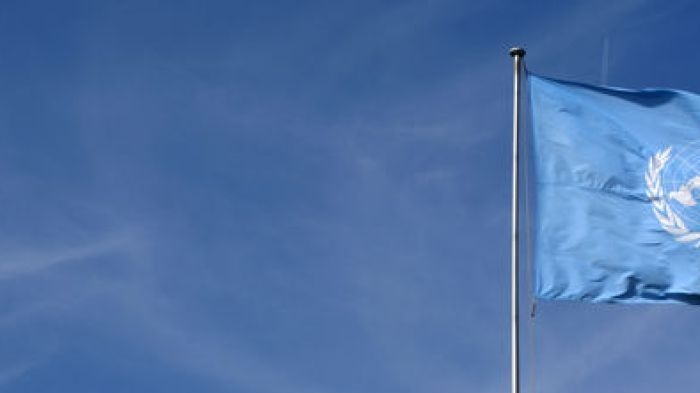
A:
673	186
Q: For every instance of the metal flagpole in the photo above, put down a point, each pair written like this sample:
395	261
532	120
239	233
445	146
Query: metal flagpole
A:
517	54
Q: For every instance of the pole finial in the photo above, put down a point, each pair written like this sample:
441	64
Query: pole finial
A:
517	51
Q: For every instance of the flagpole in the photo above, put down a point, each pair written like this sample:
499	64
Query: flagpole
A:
517	54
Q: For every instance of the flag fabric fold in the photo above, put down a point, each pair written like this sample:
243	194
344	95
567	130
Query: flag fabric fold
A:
616	184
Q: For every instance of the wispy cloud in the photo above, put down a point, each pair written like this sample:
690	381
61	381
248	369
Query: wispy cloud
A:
206	354
570	358
34	260
17	370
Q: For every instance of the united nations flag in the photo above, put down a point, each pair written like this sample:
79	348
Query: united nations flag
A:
617	193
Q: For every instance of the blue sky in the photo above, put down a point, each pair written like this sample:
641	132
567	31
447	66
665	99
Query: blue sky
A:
300	197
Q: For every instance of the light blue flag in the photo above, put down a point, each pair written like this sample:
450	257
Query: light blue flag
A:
617	193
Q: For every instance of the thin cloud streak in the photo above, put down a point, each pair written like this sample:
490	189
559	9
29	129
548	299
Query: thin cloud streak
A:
18	370
29	262
601	350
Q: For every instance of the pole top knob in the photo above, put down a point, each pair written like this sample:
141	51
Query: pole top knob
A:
517	52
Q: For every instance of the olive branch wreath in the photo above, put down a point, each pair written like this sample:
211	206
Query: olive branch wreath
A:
668	219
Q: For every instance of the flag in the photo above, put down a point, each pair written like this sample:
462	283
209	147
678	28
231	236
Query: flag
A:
615	181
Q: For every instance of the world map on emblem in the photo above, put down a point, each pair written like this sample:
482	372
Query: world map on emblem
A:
680	180
673	189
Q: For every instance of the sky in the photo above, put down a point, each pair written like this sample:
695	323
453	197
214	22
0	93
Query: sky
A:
301	197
